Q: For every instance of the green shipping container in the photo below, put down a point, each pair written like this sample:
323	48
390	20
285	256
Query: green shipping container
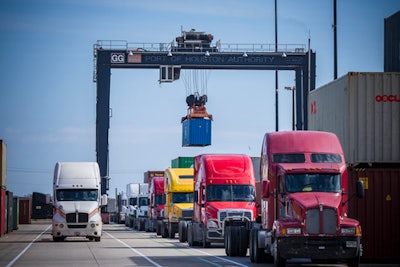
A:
182	162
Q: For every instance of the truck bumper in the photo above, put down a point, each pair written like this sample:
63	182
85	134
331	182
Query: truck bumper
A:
319	247
84	230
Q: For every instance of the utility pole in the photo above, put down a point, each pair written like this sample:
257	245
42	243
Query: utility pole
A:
276	72
334	41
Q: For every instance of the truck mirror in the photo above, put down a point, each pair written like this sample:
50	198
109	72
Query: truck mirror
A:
163	199
104	200
48	199
265	189
360	189
196	196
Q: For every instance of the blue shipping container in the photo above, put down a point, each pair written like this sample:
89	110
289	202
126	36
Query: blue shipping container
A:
196	132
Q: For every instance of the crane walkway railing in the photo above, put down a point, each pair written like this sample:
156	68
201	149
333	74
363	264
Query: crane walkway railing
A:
220	47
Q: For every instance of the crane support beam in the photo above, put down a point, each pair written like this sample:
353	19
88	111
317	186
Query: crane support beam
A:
303	63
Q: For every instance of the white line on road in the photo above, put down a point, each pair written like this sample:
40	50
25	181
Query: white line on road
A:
27	247
134	250
208	254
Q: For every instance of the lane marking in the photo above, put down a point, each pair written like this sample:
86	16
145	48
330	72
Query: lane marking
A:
181	246
134	250
27	247
177	246
208	254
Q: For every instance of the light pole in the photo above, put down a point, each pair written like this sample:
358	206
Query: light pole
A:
292	88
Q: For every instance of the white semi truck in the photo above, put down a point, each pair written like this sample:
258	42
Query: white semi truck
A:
77	201
138	201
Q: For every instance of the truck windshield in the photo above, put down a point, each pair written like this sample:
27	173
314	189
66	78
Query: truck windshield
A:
77	194
158	199
315	182
182	197
143	201
230	193
133	201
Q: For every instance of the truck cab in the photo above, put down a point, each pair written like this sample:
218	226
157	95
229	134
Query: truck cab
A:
77	201
224	202
156	206
178	202
305	201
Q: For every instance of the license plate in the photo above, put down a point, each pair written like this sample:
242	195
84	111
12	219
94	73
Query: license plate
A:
351	244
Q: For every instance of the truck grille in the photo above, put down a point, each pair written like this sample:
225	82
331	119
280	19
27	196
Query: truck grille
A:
314	225
235	213
77	217
187	213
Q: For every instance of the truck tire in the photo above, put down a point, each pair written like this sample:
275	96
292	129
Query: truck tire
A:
182	231
354	262
231	240
243	242
158	228
257	254
141	224
58	239
164	230
190	235
205	243
278	260
171	233
97	239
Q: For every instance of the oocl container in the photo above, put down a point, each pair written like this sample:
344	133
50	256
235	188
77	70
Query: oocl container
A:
363	110
378	212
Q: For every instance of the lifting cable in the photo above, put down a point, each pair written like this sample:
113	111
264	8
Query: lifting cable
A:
196	82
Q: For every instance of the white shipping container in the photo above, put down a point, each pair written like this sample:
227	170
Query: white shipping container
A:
363	110
143	188
132	189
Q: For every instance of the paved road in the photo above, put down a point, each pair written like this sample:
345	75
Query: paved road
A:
32	245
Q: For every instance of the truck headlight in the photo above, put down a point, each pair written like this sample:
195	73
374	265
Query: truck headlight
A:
212	224
292	231
348	231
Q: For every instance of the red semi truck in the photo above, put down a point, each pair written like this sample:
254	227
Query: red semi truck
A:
224	202
305	201
156	206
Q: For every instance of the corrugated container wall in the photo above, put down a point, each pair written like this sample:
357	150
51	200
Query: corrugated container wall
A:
182	162
392	43
378	212
2	164
196	132
362	109
150	174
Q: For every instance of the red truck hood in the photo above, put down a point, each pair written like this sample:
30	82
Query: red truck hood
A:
308	200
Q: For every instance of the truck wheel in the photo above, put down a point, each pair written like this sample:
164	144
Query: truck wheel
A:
158	228
190	235
182	231
257	254
141	224
58	239
205	243
231	241
243	242
278	260
97	239
164	230
354	262
171	233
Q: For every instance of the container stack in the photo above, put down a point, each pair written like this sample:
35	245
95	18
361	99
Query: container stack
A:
3	199
363	110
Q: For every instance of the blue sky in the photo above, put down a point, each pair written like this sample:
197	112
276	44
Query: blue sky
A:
48	98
